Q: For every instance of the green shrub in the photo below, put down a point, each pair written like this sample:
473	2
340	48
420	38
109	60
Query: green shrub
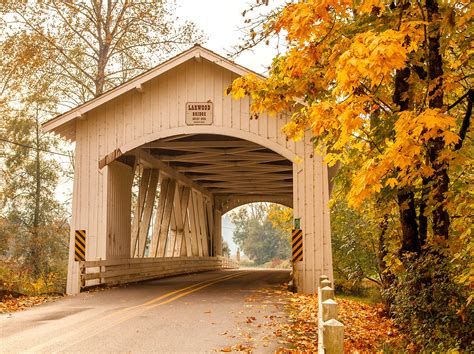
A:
431	308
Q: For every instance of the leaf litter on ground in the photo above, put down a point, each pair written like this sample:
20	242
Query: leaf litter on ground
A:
11	304
367	327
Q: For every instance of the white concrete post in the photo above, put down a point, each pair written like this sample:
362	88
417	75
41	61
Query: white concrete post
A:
333	339
321	279
327	293
330	308
326	282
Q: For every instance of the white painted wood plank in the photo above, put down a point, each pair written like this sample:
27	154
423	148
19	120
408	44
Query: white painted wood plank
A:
218	98
172	99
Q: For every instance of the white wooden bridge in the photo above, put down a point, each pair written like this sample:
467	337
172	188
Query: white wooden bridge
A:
191	153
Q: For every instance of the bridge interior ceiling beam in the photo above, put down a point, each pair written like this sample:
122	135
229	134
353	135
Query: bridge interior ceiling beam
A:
224	166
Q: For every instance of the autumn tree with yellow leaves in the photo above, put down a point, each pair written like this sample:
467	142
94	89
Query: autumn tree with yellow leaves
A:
54	56
385	88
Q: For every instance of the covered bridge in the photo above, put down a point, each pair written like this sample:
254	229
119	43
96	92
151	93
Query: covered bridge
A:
191	154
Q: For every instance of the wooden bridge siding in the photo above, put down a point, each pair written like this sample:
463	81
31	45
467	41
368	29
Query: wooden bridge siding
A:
310	203
161	105
135	117
119	207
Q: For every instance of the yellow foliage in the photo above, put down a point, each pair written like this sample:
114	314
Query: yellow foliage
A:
281	217
341	77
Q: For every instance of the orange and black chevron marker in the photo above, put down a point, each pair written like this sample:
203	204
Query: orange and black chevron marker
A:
297	244
80	246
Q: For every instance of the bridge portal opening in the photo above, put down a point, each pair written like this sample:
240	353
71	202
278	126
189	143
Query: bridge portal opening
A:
182	185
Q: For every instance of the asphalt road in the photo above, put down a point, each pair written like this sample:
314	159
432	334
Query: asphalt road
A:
204	312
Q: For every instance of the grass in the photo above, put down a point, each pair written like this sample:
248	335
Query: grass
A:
367	295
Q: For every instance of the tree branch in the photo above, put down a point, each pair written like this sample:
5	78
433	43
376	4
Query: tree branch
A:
467	118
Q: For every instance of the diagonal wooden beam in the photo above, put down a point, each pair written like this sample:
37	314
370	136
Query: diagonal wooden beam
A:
137	216
147	212
159	216
183	208
168	170
165	221
197	251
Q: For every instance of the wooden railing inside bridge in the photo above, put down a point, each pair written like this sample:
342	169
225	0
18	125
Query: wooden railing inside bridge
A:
118	271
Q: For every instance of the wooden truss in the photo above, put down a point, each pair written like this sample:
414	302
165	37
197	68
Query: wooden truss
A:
170	219
182	179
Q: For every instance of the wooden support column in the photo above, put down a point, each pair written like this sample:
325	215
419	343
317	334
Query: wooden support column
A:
210	226
137	217
181	201
311	205
196	249
171	240
147	212
203	226
217	240
159	216
119	198
197	223
165	221
185	197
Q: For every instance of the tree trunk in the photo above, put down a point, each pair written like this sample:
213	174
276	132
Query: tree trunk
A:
35	244
410	239
406	198
440	179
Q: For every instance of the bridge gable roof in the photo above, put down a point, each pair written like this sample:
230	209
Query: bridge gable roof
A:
64	123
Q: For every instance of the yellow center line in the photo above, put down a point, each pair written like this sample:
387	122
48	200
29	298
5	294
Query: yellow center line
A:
152	301
186	288
84	331
127	317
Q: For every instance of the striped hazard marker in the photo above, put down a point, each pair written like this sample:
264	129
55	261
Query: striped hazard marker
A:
297	244
80	246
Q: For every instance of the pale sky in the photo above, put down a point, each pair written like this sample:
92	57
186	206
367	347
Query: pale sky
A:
220	20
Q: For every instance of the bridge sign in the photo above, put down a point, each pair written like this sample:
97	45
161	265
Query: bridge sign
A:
199	113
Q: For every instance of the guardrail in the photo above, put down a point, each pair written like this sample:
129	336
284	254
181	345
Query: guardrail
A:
228	263
330	330
117	271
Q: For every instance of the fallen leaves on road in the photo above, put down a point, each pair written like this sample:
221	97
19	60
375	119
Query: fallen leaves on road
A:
238	348
301	333
13	304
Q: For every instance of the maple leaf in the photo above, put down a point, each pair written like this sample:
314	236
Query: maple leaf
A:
450	137
392	182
